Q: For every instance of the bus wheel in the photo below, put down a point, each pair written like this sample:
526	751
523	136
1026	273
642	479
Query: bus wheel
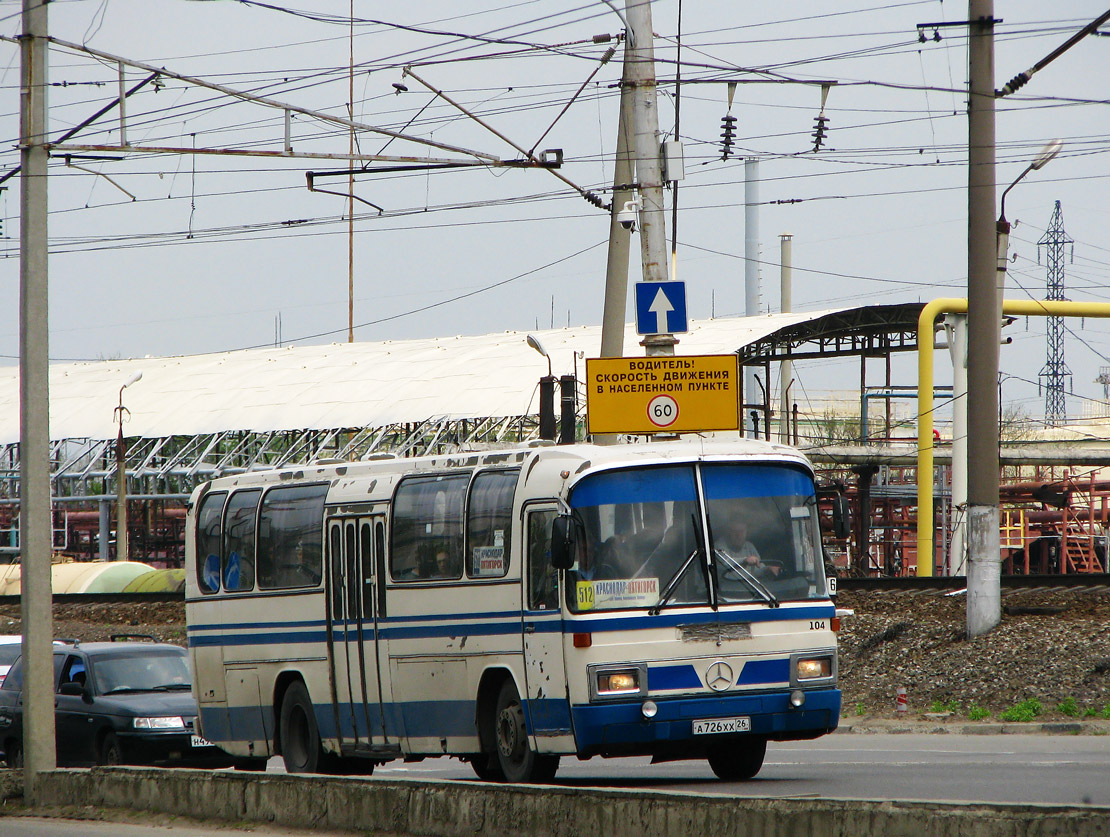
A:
738	761
487	767
300	737
518	762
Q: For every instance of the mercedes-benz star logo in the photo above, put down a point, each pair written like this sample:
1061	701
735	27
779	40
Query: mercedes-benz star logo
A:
718	676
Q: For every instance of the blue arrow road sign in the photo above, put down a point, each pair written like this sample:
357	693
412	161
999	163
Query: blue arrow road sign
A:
661	308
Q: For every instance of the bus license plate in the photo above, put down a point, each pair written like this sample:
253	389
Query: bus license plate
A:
197	741
715	726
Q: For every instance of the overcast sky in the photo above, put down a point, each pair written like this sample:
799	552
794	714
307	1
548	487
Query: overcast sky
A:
187	254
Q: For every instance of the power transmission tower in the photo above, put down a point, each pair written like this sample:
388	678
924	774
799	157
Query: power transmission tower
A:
1055	370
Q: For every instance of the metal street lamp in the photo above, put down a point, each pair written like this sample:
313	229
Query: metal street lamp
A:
1002	226
121	474
547	393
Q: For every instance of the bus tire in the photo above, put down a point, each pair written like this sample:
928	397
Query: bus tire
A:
738	761
514	754
487	767
300	737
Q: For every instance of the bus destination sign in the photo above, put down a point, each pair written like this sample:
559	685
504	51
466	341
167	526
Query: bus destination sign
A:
680	394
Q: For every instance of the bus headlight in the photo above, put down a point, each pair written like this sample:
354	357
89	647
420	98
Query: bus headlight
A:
172	722
813	668
617	681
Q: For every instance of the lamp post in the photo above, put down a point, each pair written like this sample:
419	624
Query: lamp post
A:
121	475
547	393
984	595
1002	226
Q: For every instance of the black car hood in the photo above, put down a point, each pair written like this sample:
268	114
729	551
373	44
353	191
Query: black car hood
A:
148	704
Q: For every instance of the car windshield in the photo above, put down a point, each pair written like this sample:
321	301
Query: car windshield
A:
148	671
642	542
9	653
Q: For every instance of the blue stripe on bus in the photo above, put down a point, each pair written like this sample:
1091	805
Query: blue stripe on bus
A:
666	678
764	671
599	728
620	726
271	638
723	481
220	626
436	718
400	627
643	485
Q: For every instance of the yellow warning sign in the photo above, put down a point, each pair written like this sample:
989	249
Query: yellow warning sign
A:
662	394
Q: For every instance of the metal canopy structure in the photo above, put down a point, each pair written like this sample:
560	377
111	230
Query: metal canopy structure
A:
194	418
874	331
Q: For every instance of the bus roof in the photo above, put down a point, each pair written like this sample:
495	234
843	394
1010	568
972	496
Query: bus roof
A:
548	460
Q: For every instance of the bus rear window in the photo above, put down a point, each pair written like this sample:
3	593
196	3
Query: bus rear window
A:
239	531
208	541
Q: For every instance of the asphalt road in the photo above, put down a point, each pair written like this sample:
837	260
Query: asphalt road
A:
1056	769
1066	769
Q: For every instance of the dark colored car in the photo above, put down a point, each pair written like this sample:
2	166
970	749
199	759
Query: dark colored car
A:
116	703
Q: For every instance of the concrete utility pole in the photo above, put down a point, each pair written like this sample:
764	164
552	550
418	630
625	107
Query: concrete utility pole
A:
984	327
751	267
786	368
640	78
34	406
616	268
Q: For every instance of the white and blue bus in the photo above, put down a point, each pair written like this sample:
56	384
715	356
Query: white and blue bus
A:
511	607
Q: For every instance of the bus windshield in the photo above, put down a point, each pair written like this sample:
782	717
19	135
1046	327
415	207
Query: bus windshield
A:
643	537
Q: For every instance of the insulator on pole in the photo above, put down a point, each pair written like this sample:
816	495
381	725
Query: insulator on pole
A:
728	135
819	126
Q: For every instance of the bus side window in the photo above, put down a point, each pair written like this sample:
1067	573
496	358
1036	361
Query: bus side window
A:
427	528
208	545
489	523
290	537
543	579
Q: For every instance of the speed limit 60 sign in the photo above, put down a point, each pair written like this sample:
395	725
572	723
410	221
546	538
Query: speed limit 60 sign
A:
662	394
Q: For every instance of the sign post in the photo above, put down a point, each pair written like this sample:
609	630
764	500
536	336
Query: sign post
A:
682	394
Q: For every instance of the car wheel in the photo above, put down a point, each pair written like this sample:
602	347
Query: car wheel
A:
517	760
110	750
13	755
300	737
738	761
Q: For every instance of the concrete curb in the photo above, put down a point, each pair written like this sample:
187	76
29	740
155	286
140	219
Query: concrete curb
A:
458	808
958	726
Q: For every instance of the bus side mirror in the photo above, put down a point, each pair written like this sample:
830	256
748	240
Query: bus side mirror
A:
842	516
562	542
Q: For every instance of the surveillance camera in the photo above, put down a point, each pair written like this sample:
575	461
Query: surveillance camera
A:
627	216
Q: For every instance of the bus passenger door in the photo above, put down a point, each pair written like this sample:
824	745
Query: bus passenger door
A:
355	698
548	702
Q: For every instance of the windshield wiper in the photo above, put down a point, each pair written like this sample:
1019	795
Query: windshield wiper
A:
172	687
745	575
672	585
121	689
